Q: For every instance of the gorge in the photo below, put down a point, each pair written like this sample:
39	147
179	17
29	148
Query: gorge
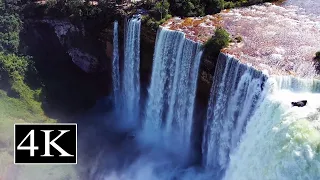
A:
169	111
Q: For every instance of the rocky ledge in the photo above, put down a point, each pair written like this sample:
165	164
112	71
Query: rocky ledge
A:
280	40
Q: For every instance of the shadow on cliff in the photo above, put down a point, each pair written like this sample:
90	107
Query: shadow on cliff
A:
66	88
317	65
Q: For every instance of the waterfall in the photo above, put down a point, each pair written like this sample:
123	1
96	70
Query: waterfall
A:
281	141
172	90
115	66
253	132
235	94
131	77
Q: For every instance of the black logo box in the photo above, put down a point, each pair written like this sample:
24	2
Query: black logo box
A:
68	142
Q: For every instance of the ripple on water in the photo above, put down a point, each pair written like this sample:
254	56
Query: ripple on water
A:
283	38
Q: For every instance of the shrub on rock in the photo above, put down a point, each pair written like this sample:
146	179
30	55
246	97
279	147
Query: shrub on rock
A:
220	40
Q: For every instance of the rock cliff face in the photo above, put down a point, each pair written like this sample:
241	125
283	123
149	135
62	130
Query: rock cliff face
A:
82	49
75	54
280	40
71	64
148	39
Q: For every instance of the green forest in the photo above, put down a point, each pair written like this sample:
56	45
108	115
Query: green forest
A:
203	7
15	66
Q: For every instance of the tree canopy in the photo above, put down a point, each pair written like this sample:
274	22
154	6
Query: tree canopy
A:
202	7
10	25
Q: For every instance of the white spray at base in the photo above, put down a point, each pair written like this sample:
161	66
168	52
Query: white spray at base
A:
281	141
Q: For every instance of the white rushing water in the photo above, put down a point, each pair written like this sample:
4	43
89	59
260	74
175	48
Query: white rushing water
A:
131	74
172	91
115	67
281	141
252	129
235	93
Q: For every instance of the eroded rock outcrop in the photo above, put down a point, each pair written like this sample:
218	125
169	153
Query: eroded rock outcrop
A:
69	36
71	64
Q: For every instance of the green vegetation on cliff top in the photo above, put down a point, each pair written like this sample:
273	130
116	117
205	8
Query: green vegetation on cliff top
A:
218	41
203	7
14	66
162	10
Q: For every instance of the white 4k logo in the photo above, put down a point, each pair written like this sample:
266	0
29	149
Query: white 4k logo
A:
53	143
31	148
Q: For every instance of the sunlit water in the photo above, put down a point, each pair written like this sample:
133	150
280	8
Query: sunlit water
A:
171	97
304	6
281	141
235	95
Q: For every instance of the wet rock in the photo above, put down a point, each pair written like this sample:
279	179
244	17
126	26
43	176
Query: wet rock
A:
299	103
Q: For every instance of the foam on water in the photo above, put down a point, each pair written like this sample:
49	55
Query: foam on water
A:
281	141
